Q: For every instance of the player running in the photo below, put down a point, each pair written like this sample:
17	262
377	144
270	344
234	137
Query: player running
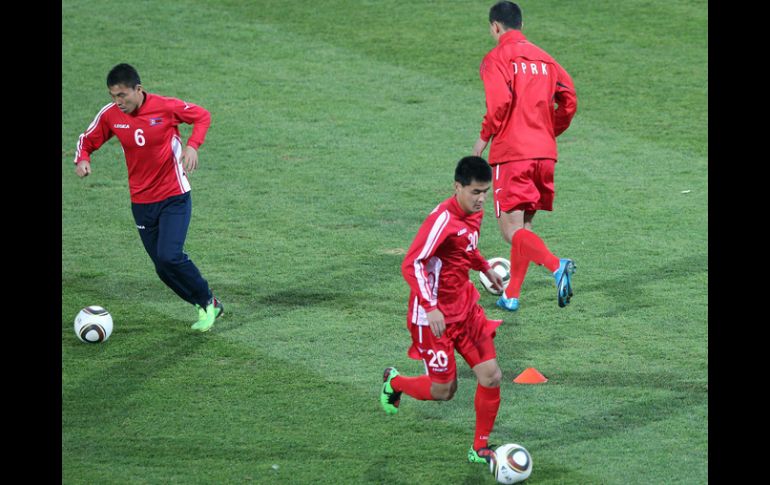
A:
146	125
443	314
530	101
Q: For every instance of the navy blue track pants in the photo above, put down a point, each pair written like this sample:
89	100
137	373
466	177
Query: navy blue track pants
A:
163	229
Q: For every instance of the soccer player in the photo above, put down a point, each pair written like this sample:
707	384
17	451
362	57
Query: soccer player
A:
146	126
443	311
530	101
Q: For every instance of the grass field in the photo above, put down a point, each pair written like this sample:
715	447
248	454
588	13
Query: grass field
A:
336	128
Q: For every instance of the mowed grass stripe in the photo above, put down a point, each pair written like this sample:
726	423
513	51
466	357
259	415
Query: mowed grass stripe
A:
207	422
638	66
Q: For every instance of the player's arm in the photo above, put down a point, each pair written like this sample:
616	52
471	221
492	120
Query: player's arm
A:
498	92
432	232
566	99
479	263
200	118
90	140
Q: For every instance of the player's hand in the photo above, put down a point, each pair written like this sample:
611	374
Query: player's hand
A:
495	279
479	147
190	159
436	322
83	168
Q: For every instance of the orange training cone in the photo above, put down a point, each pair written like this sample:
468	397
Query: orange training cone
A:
530	376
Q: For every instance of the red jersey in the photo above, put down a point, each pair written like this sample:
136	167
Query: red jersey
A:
151	143
522	83
437	263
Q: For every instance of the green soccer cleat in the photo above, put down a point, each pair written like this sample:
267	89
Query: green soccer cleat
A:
389	398
201	312
482	455
206	317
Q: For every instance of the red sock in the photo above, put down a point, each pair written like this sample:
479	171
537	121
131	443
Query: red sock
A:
487	402
417	387
519	266
532	248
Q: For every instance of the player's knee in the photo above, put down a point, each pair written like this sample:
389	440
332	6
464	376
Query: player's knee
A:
492	379
497	378
452	389
443	392
511	232
167	259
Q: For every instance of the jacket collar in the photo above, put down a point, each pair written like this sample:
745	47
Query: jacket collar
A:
511	35
455	209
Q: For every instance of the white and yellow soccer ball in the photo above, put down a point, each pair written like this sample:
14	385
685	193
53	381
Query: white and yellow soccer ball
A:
502	267
93	324
511	463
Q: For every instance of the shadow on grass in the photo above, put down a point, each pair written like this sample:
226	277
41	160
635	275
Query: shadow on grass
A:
631	413
627	291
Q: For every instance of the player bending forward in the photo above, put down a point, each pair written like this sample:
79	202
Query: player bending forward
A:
443	311
146	125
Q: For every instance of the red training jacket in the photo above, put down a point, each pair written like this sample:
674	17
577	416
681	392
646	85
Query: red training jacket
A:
151	143
437	263
522	83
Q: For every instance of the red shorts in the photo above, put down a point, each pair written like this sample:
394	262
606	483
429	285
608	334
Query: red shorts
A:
523	185
472	338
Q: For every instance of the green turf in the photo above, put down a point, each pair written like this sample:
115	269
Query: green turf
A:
336	128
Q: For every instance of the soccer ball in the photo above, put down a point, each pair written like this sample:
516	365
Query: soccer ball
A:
93	324
511	463
502	267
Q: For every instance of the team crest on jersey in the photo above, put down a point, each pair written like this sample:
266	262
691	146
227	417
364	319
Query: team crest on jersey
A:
155	121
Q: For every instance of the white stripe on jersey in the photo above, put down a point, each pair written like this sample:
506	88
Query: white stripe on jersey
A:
90	128
423	360
497	202
419	270
419	317
176	148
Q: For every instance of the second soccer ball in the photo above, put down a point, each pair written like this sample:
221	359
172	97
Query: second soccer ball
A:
502	267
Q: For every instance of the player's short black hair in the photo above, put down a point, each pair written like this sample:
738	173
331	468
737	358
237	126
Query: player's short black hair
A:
124	74
507	13
472	168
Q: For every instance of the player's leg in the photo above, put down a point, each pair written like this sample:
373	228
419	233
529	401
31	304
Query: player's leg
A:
528	217
440	380
510	223
173	225
519	266
527	186
544	181
514	196
146	217
531	248
174	221
477	347
487	403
